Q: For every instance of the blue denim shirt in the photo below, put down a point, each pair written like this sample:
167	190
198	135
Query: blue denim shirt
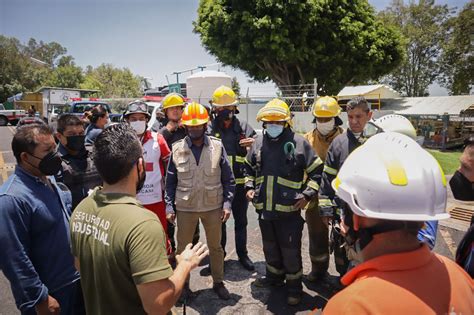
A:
34	237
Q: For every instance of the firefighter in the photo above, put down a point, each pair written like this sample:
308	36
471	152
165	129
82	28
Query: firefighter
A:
326	112
359	114
276	167
236	136
200	187
173	105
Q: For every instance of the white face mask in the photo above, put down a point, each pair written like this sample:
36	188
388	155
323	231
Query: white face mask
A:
139	126
325	128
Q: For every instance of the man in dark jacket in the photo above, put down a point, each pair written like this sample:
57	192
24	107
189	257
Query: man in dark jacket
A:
78	172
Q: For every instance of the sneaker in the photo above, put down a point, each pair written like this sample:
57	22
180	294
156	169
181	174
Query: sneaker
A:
221	291
265	282
246	263
293	299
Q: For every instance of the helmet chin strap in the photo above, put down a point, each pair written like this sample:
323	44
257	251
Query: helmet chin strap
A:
365	235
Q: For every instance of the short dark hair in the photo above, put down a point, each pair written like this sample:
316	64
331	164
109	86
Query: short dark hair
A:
116	150
25	140
99	111
67	120
358	102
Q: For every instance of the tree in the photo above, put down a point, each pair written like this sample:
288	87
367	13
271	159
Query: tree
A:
292	42
236	86
15	76
112	82
66	75
457	59
424	26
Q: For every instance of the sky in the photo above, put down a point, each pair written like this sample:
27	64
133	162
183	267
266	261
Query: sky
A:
153	38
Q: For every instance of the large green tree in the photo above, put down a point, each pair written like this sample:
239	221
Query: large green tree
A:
11	65
457	59
424	26
112	82
293	41
67	74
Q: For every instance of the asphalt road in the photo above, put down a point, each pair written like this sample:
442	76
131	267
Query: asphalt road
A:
246	299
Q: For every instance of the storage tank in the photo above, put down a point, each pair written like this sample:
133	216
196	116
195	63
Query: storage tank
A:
201	85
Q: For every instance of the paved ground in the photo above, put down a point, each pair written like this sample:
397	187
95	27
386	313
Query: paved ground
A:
246	299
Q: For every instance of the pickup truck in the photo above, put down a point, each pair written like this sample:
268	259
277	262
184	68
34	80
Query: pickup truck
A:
11	116
79	107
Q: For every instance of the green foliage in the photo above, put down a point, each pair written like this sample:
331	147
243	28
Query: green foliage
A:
449	161
457	60
236	86
112	82
424	26
294	41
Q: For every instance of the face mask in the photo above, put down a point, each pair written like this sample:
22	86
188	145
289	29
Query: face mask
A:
225	114
273	130
142	178
195	134
50	164
325	128
75	143
139	126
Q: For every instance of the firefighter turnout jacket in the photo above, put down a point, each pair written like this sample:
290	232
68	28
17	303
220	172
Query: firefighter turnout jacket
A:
276	169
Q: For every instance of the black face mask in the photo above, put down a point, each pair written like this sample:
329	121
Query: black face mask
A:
142	178
75	143
225	114
195	134
50	164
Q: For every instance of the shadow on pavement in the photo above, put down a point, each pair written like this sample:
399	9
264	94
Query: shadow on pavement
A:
206	301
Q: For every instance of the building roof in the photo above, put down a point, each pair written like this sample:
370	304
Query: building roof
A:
41	89
368	91
431	105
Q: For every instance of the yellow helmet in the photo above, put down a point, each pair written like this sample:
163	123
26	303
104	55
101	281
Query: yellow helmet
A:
275	110
194	114
326	107
224	96
173	100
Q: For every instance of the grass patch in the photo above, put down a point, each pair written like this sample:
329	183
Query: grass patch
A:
449	161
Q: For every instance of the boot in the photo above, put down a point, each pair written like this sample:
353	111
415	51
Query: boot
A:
246	263
221	291
265	282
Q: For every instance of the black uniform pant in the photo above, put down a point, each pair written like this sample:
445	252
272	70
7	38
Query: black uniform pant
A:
239	212
282	250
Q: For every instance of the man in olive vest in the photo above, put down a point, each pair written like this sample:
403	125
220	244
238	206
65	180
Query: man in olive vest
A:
200	186
326	112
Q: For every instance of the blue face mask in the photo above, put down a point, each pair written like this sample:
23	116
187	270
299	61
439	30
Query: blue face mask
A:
273	130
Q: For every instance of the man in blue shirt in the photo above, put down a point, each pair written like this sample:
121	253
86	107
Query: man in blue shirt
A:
34	231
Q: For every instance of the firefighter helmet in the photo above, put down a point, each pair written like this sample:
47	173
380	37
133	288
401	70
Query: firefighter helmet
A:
173	100
396	123
326	107
391	177
194	114
224	96
275	110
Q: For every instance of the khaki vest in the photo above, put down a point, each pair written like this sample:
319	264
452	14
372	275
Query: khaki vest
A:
199	187
321	143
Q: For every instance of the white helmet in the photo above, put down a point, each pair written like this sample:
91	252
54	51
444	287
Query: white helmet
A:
391	177
396	123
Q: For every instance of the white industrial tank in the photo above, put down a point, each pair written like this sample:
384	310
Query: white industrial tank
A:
201	85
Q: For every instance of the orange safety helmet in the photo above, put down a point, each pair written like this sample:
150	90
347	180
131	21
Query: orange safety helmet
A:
194	114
